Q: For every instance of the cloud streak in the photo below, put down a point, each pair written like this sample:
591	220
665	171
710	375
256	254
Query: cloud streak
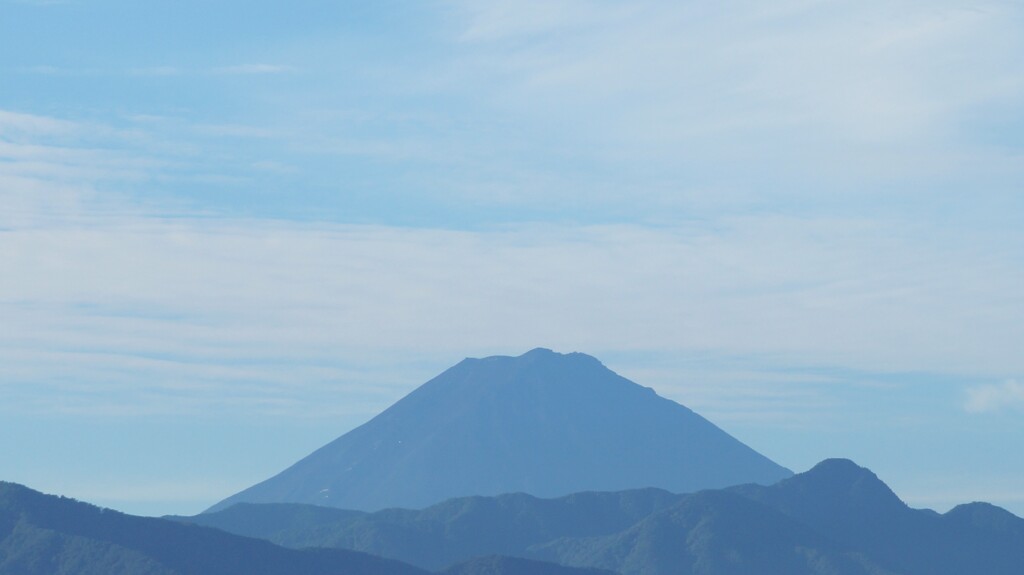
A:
100	288
252	69
162	71
992	398
800	103
178	300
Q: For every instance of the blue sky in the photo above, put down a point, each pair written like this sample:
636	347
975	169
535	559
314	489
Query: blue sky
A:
233	231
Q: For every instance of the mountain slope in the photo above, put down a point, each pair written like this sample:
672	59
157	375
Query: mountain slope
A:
712	533
849	503
46	535
499	565
446	533
835	519
542	423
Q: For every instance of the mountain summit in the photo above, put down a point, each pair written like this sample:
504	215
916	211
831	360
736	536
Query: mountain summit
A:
543	423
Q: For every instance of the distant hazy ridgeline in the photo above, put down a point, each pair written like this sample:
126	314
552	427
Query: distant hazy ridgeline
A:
836	519
48	535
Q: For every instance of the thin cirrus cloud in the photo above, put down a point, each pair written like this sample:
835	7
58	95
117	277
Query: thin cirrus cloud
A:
205	300
93	275
234	70
796	106
248	69
799	93
166	71
44	2
15	125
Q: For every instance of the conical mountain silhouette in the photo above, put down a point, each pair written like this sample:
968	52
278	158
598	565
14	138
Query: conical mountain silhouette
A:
543	423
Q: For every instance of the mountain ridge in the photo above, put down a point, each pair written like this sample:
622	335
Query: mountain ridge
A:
45	535
445	533
837	518
49	535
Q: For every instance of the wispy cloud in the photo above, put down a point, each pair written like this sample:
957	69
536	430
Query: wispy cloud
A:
1006	396
43	2
15	124
813	100
802	106
165	71
502	20
101	288
201	294
253	69
234	70
157	71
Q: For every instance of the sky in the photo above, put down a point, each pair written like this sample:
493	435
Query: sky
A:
231	232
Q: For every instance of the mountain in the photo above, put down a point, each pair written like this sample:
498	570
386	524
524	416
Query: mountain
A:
712	533
836	519
851	504
47	535
499	565
542	423
447	533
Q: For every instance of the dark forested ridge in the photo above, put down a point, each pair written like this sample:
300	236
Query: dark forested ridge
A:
48	535
852	505
448	532
495	564
543	423
836	519
45	535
